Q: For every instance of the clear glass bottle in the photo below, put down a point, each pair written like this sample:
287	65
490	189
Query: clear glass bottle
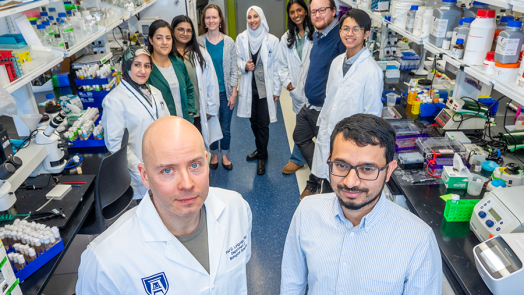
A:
51	101
44	36
66	30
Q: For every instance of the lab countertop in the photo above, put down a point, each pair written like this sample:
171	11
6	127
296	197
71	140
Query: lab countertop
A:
455	239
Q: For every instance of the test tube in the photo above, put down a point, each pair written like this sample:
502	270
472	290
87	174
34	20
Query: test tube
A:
56	233
11	259
21	262
52	240
455	198
17	247
46	242
32	255
38	246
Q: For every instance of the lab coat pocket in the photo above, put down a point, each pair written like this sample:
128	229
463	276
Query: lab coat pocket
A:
373	286
237	281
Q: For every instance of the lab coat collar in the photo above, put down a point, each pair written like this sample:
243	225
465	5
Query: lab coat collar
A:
363	55
369	220
152	226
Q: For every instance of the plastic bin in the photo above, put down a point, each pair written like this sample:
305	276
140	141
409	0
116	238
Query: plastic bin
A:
430	109
490	101
460	212
91	141
61	80
101	81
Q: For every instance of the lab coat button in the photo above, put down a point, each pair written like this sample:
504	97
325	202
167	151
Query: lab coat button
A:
345	264
351	234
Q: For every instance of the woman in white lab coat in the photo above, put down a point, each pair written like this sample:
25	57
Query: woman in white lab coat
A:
258	50
133	104
295	46
358	91
202	74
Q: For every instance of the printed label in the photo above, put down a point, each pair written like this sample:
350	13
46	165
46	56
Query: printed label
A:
238	248
507	46
439	27
69	30
458	53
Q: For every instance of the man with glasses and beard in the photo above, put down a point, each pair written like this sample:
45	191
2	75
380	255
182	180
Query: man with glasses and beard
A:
355	241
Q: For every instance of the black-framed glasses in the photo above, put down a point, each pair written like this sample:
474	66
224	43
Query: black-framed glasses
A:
321	10
355	30
364	172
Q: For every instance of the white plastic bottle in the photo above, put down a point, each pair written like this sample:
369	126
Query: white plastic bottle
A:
480	37
509	43
410	22
417	26
427	21
462	31
445	17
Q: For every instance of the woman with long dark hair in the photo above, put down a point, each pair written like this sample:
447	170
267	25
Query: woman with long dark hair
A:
295	46
224	55
260	85
202	74
169	74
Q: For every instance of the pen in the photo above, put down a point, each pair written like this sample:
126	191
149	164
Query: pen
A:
72	183
423	180
76	185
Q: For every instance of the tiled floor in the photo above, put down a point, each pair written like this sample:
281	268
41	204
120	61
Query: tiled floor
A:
273	198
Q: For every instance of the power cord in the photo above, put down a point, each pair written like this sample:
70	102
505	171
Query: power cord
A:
507	131
27	141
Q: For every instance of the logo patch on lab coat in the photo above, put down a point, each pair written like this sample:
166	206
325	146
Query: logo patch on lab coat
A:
238	248
156	284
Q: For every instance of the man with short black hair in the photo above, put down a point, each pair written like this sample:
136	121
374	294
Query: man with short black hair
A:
354	86
326	46
355	241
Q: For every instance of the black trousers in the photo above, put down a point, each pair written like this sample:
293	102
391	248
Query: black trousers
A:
305	129
260	124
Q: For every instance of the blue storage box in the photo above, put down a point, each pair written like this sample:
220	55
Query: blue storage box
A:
91	141
39	261
102	81
490	101
430	109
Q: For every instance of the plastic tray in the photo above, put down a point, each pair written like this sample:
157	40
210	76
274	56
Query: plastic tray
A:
106	80
39	261
460	212
91	141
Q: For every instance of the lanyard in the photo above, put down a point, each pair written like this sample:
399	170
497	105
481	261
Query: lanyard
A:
153	102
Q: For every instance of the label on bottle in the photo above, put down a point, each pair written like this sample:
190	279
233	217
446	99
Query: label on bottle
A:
69	30
458	53
507	46
445	44
439	27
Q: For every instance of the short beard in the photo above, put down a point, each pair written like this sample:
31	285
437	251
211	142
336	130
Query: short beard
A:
350	206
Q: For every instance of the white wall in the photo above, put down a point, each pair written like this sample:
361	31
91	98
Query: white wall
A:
222	5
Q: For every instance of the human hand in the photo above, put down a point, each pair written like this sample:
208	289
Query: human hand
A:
232	101
250	66
275	98
290	87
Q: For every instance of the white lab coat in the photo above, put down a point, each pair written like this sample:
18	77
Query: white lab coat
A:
269	54
359	91
209	101
122	109
126	257
293	70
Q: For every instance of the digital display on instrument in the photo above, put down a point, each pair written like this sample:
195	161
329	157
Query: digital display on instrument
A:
494	214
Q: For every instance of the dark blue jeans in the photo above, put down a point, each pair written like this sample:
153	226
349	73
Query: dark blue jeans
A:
224	117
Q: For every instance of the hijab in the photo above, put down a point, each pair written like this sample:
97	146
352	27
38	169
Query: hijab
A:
127	61
256	37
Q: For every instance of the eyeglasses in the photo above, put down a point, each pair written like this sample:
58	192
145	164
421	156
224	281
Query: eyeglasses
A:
181	31
364	172
355	30
321	10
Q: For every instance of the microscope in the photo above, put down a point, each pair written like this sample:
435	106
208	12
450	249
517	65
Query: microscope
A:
44	154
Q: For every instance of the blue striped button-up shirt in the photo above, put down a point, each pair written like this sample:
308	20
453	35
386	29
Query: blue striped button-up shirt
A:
390	252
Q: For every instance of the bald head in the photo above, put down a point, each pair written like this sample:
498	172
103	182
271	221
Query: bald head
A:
172	133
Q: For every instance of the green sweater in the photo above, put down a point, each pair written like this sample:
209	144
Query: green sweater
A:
187	95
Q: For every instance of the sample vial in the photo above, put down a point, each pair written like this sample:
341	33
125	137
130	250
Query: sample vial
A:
455	198
32	255
56	233
458	49
39	249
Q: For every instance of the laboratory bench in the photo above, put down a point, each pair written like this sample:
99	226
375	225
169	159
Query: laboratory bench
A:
455	239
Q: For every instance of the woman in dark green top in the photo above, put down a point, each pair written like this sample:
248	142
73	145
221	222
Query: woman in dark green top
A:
169	73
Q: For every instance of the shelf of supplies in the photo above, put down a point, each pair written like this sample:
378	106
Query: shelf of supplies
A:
149	3
518	6
509	88
448	57
368	11
136	11
478	73
54	57
404	33
113	25
85	41
22	7
498	3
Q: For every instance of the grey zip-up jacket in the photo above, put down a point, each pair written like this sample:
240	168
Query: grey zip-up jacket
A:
229	62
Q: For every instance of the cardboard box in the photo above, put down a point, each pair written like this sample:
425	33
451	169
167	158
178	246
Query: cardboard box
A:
453	179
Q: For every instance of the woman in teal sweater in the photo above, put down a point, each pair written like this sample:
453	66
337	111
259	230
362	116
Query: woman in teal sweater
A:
169	74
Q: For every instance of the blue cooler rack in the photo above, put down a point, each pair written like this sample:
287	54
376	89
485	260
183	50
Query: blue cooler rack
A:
91	141
489	102
93	99
40	261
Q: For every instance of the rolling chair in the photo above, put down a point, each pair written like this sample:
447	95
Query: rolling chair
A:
113	192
